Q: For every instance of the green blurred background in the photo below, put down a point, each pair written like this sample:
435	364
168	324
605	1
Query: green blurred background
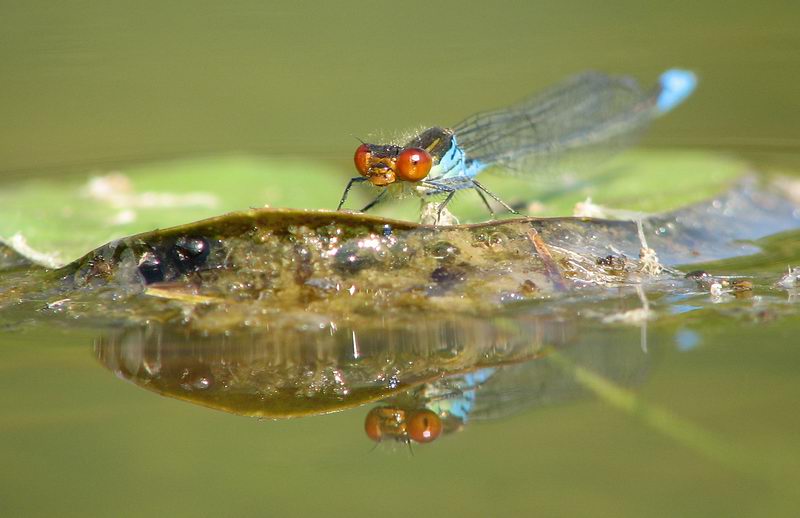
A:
88	85
86	82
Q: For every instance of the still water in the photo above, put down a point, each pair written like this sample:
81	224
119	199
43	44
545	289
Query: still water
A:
698	421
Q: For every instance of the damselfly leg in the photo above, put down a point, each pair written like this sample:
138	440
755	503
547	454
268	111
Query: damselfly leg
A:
357	179
379	198
480	189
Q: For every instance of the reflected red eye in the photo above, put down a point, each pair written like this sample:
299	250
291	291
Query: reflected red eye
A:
413	164
424	426
372	425
361	159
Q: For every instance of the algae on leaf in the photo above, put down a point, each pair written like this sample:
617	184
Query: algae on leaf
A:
285	268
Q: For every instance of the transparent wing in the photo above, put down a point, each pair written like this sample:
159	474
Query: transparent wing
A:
541	382
586	115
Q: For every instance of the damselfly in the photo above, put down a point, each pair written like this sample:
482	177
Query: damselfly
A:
448	404
427	411
585	112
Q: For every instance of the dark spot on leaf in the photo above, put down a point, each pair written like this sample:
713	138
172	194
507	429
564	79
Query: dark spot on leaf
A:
190	253
447	275
150	267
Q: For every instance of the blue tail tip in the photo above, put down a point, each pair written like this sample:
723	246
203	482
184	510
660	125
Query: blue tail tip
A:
676	85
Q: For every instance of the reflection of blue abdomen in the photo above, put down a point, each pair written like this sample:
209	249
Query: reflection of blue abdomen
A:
459	404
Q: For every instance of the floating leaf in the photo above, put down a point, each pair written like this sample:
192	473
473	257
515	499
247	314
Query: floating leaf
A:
54	221
281	267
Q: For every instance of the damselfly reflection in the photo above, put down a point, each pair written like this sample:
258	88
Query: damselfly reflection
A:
442	407
423	413
428	382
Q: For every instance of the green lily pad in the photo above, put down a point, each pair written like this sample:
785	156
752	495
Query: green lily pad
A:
52	222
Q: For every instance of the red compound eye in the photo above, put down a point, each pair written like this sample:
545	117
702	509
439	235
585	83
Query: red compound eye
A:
361	158
413	164
424	426
372	425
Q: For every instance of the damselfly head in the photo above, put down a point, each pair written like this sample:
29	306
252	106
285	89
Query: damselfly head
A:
384	165
388	422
